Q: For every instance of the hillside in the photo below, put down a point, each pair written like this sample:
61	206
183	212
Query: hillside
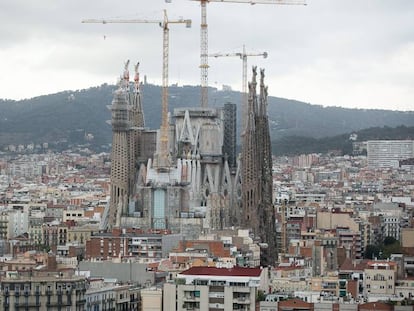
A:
66	116
294	145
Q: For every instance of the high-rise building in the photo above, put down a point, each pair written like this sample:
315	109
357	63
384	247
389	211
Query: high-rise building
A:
388	153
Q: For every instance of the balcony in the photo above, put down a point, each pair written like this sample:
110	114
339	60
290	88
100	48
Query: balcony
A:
59	303
191	306
216	295
29	304
81	302
241	289
241	300
216	305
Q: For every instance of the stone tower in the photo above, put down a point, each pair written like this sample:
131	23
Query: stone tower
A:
127	131
256	178
193	193
120	157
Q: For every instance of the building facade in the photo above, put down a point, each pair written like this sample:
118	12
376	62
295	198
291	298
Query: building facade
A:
204	288
42	293
189	188
388	153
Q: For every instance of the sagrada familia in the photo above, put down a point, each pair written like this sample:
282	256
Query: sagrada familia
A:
186	177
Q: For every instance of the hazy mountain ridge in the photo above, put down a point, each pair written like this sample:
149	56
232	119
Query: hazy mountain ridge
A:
68	115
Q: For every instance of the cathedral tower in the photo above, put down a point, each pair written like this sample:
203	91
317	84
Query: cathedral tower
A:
120	157
256	167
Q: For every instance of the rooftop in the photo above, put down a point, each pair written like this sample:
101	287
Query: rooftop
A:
235	271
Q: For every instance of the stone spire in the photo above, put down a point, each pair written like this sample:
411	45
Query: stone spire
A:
256	161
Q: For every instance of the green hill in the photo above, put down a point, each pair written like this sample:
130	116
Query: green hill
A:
66	116
295	145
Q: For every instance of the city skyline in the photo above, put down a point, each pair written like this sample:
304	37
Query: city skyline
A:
330	53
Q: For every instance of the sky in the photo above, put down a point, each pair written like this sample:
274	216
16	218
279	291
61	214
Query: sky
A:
353	54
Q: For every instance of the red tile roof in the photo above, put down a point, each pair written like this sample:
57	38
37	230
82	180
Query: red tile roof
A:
348	265
236	271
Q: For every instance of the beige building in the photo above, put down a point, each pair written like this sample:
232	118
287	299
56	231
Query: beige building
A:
73	214
36	234
328	220
208	288
326	286
151	299
380	278
407	237
81	234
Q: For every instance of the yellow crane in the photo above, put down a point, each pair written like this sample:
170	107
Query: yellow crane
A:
243	56
204	36
163	154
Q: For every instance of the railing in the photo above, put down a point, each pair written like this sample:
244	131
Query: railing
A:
242	300
191	297
241	289
216	295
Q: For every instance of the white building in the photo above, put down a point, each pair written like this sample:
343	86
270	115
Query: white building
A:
208	288
103	295
13	223
387	153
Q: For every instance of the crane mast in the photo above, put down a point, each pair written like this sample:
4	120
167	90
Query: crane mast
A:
162	156
204	37
203	55
243	56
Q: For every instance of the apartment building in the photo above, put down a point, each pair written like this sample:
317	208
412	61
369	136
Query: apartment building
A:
214	289
380	278
13	223
42	292
388	153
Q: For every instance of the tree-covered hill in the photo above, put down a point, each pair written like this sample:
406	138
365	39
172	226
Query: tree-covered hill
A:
294	145
67	116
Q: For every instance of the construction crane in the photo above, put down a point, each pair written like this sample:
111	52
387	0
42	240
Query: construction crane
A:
243	56
163	155
204	37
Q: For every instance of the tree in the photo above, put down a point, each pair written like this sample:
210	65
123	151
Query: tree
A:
389	240
391	246
260	296
372	251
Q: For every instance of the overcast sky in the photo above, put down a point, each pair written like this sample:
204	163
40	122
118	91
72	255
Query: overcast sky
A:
357	54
